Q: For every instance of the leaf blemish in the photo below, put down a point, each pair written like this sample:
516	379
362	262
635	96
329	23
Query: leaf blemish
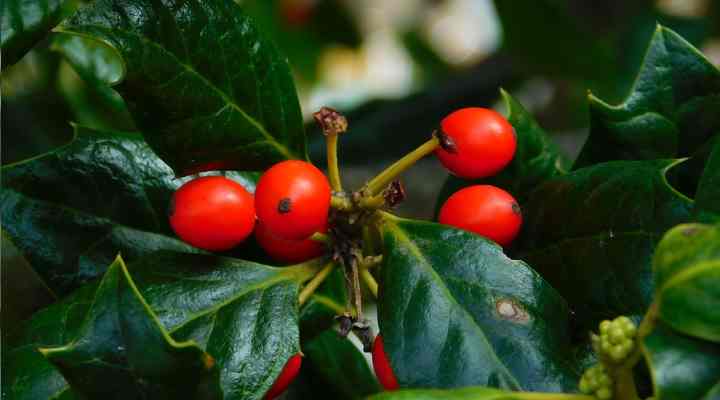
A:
511	311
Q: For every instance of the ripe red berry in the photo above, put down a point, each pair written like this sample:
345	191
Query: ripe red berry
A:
212	213
292	199
382	367
289	372
287	250
482	142
484	209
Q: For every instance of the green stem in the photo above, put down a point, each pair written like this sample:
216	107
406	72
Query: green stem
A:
315	282
378	183
341	203
372	202
320	237
332	161
624	385
369	281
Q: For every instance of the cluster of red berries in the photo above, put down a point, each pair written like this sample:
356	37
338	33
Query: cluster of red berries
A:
292	201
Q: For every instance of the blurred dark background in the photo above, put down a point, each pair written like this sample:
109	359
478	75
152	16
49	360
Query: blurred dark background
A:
396	68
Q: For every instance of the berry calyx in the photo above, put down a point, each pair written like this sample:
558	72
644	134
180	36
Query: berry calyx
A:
382	367
597	382
213	213
287	375
287	250
616	340
479	142
292	199
485	210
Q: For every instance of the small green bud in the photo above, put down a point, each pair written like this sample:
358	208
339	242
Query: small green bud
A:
604	394
616	334
604	326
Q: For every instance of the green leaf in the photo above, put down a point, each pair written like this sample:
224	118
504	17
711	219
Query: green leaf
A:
468	393
340	365
682	367
537	158
70	211
207	90
592	233
123	349
707	198
687	273
242	313
26	22
672	109
455	311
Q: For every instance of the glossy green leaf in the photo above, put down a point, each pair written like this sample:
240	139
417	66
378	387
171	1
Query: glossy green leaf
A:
592	233
707	198
340	365
123	349
682	367
242	313
70	211
672	109
455	311
26	22
687	273
537	158
469	393
207	90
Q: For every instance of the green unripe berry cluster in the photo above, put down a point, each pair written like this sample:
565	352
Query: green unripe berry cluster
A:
616	340
596	382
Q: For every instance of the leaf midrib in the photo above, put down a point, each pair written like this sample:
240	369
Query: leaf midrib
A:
423	261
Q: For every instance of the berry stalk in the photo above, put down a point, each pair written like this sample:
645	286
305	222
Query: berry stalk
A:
378	183
315	282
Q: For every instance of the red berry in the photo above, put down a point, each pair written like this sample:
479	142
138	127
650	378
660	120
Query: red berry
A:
482	143
382	367
484	209
289	372
212	213
287	250
293	199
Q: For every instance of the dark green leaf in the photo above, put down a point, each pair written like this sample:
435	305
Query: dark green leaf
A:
592	233
673	108
468	393
455	311
536	158
26	22
23	291
682	367
205	87
341	366
707	198
72	210
242	313
122	350
687	273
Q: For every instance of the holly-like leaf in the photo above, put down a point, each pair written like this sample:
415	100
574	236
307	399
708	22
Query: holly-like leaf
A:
592	233
23	23
242	313
537	158
687	273
673	108
207	90
123	349
455	311
682	367
71	210
340	365
707	198
468	393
